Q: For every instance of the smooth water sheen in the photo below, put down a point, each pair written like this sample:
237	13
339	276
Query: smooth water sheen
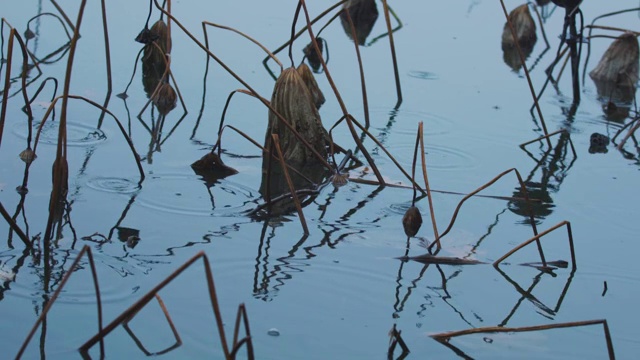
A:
336	293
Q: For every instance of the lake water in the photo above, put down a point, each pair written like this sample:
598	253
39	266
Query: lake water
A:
336	293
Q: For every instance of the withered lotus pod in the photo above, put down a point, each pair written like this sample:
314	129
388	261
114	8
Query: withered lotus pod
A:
525	29
27	155
165	99
293	100
29	34
616	76
542	2
160	33
309	80
364	14
411	221
312	55
619	64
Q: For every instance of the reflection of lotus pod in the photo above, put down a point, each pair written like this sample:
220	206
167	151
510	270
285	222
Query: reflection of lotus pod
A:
312	55
541	208
312	85
292	99
619	64
411	221
211	167
525	29
154	60
27	155
598	143
567	3
364	14
165	99
64	183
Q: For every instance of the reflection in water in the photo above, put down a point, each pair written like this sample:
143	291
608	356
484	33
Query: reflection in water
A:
551	169
616	76
525	37
267	283
364	14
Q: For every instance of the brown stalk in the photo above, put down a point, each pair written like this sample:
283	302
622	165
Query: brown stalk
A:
64	15
246	85
218	144
393	52
348	117
379	144
400	186
491	182
573	150
365	101
15	227
304	28
444	337
142	302
294	196
537	239
120	126
85	250
395	340
628	135
206	39
58	173
242	316
526	72
3	110
426	182
176	335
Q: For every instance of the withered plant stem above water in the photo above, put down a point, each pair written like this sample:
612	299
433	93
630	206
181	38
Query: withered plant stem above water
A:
276	143
245	84
526	72
7	84
432	212
206	39
446	336
348	117
86	250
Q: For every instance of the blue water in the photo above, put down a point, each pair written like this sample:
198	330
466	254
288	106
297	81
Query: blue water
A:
337	292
